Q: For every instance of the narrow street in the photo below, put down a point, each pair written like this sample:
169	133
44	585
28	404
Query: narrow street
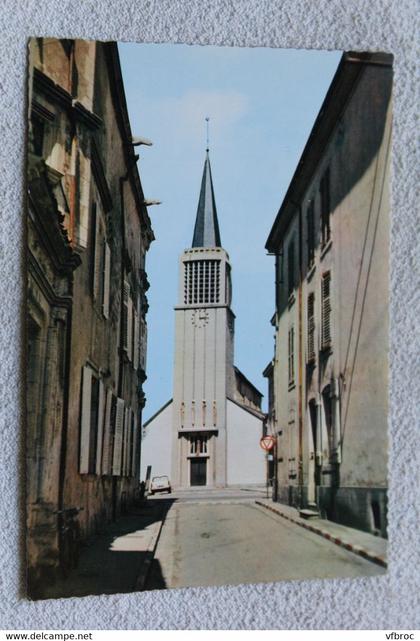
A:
210	540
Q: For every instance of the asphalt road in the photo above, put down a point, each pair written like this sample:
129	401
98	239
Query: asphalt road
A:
221	542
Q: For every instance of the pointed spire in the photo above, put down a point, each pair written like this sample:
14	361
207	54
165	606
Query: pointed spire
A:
206	230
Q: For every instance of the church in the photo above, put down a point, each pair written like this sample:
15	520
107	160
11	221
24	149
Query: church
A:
208	433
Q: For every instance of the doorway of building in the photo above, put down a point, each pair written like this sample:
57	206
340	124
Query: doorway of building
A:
314	469
198	471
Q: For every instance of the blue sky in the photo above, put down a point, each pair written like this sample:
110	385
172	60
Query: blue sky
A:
262	104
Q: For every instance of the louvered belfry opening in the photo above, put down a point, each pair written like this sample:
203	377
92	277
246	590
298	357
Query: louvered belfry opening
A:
201	282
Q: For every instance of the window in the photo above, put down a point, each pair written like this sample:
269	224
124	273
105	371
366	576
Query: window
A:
106	279
136	338
291	355
118	437
310	233
325	207
201	281
100	261
311	327
38	134
291	268
198	444
127	321
107	438
326	310
91	423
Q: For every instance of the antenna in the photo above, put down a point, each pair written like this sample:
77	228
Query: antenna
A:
207	132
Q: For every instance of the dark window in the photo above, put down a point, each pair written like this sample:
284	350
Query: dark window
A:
326	399
325	207
311	327
38	132
310	232
291	268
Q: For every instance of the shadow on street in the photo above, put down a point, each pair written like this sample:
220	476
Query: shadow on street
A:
111	561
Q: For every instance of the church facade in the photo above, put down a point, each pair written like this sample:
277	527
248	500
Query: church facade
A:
208	434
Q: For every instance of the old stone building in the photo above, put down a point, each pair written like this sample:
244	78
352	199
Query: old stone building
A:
88	234
330	241
208	434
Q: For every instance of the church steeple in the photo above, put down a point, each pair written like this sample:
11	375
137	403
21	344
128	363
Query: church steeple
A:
206	230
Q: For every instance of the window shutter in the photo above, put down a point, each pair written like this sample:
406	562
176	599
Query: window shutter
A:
129	441
118	436
85	420
311	327
143	344
134	445
107	433
130	329
97	257
124	443
136	340
100	432
124	329
107	275
326	310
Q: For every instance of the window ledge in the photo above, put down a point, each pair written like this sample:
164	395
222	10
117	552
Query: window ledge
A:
195	456
325	248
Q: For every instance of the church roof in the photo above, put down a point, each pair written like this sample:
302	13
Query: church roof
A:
206	230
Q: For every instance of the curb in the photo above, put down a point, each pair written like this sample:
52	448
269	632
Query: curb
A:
366	554
150	553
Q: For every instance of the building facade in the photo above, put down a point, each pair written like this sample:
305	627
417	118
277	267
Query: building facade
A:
209	433
330	240
88	234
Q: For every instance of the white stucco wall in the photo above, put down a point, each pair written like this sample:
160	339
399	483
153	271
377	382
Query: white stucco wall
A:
245	459
156	444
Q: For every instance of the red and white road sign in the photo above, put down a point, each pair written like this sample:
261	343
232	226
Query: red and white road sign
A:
267	442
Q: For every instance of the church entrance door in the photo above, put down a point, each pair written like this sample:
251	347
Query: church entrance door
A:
198	471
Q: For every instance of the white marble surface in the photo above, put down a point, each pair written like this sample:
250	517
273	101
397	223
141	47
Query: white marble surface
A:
390	601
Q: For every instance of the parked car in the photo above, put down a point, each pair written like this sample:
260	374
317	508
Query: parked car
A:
160	484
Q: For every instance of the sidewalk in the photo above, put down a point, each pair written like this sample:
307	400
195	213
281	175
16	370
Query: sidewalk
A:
373	548
118	559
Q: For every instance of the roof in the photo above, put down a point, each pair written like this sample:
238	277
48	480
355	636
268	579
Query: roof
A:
152	418
247	381
347	75
206	230
251	410
269	369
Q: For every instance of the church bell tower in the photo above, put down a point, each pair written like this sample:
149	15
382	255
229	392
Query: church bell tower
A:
203	363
